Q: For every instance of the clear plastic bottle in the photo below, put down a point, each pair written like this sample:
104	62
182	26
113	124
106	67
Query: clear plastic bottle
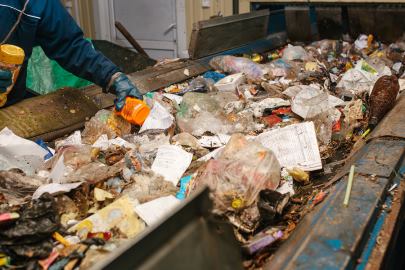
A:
11	58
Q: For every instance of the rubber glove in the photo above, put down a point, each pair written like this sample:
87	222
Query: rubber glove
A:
5	80
123	87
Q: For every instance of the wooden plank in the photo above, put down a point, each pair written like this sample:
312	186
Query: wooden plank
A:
36	117
155	78
221	34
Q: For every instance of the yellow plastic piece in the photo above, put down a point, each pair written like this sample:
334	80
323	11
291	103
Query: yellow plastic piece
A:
60	239
10	54
237	203
299	175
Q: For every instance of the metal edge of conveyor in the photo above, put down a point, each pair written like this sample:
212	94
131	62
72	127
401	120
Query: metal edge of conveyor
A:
336	237
180	241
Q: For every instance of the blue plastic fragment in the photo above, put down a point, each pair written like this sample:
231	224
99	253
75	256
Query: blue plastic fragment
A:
181	195
215	76
41	143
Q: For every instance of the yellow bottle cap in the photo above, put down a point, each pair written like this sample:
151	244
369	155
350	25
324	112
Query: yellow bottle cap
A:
11	54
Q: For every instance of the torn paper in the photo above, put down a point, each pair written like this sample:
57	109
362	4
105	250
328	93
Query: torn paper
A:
158	119
214	141
54	189
16	152
74	139
153	211
171	162
103	143
294	146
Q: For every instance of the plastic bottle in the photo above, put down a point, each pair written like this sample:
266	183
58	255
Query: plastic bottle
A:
11	58
135	111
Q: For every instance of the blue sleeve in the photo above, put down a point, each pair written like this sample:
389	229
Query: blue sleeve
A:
62	40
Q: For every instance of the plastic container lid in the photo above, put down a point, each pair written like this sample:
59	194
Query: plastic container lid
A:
11	54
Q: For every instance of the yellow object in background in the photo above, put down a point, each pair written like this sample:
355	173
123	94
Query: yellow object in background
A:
11	58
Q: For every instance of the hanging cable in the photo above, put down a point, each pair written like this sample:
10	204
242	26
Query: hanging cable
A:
16	23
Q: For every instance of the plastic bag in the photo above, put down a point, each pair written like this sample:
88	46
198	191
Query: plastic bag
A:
295	53
105	122
281	68
199	85
232	65
324	124
308	101
242	170
200	113
45	75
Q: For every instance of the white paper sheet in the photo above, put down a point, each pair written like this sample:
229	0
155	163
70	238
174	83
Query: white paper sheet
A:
294	146
54	189
74	139
158	119
214	141
103	143
16	152
171	162
153	211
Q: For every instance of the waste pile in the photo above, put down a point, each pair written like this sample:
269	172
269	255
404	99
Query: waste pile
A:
264	132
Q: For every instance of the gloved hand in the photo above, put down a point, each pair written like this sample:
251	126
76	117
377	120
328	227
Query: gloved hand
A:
5	80
123	87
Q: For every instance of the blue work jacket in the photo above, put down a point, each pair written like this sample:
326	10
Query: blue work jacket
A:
47	23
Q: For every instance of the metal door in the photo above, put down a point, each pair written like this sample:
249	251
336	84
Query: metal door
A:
151	22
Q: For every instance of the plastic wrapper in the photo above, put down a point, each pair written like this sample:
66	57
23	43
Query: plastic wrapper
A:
295	53
232	65
282	68
105	122
237	176
199	85
201	113
327	46
324	124
310	101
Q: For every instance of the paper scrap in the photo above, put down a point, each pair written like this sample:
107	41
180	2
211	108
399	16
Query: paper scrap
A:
153	211
159	119
287	187
59	170
16	152
294	146
171	162
74	139
101	195
212	155
176	98
54	189
214	141
103	143
120	214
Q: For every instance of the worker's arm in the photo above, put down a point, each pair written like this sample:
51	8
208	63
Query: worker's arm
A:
62	40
